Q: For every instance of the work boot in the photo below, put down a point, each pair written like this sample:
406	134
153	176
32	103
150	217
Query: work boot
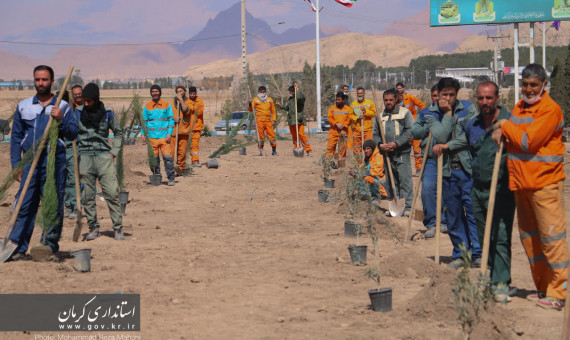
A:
171	183
476	263
430	233
443	228
93	234
196	164
274	152
72	215
456	264
119	236
177	171
19	257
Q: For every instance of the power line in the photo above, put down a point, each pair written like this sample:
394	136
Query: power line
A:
117	44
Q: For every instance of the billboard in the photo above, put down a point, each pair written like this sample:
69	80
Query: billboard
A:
475	12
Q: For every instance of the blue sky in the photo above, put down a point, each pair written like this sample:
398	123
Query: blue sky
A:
128	21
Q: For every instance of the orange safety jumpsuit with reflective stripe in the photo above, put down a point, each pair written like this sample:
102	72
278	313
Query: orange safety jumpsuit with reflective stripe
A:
536	175
375	174
196	110
183	134
336	115
410	103
370	112
265	115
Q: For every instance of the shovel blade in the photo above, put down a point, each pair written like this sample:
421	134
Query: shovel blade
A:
8	250
397	207
298	152
78	227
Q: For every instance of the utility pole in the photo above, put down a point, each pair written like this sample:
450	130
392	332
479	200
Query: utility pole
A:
497	53
318	64
531	43
544	45
413	74
427	78
243	44
516	55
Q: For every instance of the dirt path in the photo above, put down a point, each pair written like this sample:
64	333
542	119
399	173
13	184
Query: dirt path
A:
246	251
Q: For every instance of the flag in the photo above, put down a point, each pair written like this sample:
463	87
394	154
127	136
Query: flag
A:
347	3
556	24
312	6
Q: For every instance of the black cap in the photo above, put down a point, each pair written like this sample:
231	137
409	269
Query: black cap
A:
90	91
156	87
369	144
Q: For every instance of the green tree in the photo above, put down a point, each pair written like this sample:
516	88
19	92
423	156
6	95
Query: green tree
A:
560	86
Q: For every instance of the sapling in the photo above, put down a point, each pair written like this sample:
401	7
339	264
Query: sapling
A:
470	296
50	200
231	142
326	164
120	159
354	192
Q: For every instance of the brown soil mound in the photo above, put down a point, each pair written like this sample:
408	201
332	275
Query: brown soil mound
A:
409	265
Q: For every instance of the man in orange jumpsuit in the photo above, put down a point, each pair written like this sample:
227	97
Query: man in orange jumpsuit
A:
196	111
339	119
375	175
415	105
182	130
533	137
265	118
364	111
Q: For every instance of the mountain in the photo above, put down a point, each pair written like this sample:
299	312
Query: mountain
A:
435	38
379	49
222	35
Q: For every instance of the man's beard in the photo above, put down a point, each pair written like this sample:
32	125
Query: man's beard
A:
44	91
488	110
155	97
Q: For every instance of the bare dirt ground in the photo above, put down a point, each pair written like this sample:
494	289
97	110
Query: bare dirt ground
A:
246	251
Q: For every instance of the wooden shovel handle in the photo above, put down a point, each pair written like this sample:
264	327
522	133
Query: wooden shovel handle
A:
490	208
438	205
389	166
418	187
39	150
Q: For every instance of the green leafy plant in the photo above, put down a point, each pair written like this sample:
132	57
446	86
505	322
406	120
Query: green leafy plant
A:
471	296
326	165
49	198
120	166
355	190
231	142
206	132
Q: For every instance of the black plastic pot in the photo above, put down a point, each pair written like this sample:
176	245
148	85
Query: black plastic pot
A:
242	151
381	299
329	183
323	196
123	197
155	180
357	254
351	228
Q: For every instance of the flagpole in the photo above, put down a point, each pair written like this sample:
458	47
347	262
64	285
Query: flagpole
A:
544	44
318	66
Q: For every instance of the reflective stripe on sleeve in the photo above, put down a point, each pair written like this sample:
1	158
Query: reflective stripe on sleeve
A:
535	158
553	238
522	120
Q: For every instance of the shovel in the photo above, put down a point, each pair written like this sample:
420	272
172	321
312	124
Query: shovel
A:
255	121
413	211
438	206
395	206
8	246
298	152
490	208
176	167
78	225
